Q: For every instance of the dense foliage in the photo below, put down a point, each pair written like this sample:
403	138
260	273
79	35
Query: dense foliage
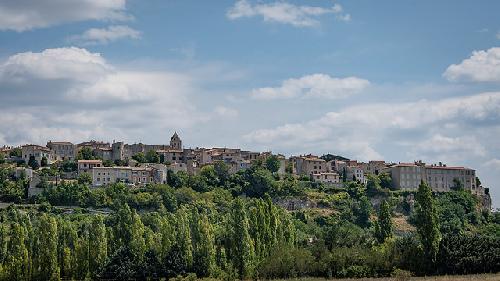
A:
252	224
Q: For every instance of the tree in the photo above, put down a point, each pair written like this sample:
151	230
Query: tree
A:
44	162
47	250
344	175
457	185
385	180
427	222
2	158
17	261
84	178
273	163
363	212
98	244
373	184
204	249
33	163
85	153
152	157
383	226
16	152
243	247
260	181
140	157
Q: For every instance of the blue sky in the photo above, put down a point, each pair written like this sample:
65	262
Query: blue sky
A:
398	80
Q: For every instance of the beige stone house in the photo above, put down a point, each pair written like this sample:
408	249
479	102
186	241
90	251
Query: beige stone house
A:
62	150
38	152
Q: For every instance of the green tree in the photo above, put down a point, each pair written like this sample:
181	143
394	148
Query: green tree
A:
184	241
97	244
385	180
2	158
457	185
84	178
33	163
427	222
373	184
152	157
243	246
85	153
363	212
17	261
47	250
273	163
384	226
16	152
44	162
140	157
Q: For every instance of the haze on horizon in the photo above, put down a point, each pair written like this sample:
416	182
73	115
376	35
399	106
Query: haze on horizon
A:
380	80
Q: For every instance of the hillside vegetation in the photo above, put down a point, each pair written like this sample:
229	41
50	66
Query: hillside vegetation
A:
252	224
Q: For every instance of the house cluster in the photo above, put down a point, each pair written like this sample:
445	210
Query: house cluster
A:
174	157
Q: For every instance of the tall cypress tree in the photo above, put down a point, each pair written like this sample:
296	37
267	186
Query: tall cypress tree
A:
427	222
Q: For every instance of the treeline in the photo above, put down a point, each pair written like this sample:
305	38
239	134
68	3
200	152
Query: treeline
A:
229	226
228	244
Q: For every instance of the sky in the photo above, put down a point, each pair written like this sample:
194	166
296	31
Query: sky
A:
369	80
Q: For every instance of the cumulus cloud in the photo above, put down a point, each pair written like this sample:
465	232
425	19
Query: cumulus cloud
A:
226	112
315	85
96	36
22	15
73	94
359	130
285	13
493	164
454	149
481	66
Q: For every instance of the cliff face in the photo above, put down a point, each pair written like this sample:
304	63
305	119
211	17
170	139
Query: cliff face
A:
485	201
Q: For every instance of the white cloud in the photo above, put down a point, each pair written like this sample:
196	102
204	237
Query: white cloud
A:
61	63
73	94
360	130
226	112
315	85
285	13
454	149
493	163
22	15
95	36
482	66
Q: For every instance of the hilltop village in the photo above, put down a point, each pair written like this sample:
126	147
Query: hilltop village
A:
140	164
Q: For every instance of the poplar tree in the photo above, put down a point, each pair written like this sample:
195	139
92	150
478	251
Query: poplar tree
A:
427	222
17	261
48	265
243	248
204	249
184	237
98	245
384	226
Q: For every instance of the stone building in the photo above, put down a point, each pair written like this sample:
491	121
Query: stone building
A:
38	152
62	150
86	166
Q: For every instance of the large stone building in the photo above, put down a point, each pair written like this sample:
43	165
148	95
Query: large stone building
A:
62	150
440	178
128	175
37	152
308	165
